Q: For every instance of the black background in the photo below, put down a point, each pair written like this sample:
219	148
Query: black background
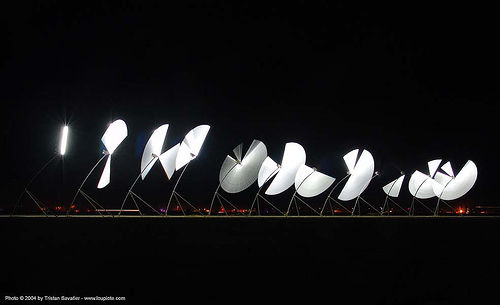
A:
408	82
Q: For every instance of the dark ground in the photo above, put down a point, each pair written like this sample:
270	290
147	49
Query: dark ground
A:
373	260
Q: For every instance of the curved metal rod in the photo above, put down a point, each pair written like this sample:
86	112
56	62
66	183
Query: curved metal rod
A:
260	188
175	187
412	206
439	198
133	184
215	193
295	193
387	196
329	194
85	180
31	181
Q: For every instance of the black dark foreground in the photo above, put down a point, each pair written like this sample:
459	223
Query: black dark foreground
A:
366	260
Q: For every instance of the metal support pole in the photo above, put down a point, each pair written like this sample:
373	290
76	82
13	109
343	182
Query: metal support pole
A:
175	187
329	194
439	198
105	153
31	181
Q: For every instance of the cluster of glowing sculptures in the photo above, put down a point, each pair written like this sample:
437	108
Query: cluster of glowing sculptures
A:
239	172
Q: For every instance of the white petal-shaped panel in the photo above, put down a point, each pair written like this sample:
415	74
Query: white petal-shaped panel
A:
293	157
460	185
268	169
153	147
234	176
448	169
394	187
350	159
360	177
191	145
114	135
309	182
106	174
433	166
167	160
420	185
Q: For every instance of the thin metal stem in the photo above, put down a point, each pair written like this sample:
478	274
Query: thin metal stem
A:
31	181
439	198
329	194
175	187
217	189
85	180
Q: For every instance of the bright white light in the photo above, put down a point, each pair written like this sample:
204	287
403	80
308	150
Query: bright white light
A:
293	157
64	140
448	169
114	135
420	185
350	159
361	176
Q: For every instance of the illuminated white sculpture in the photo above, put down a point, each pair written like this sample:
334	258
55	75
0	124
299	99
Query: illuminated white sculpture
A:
450	187
309	183
237	174
421	185
112	138
187	151
150	155
361	172
114	135
62	151
294	156
167	160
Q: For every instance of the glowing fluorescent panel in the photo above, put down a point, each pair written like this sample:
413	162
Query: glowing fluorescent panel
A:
350	159
236	176
393	188
64	140
114	135
167	160
293	157
455	187
191	145
268	169
152	150
309	182
361	175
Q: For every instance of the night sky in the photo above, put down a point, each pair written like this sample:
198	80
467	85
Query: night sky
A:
408	82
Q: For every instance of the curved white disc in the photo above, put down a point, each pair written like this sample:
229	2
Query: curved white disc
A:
360	177
237	176
433	167
167	160
153	147
191	145
114	135
267	170
393	188
106	174
421	185
293	157
309	182
458	186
